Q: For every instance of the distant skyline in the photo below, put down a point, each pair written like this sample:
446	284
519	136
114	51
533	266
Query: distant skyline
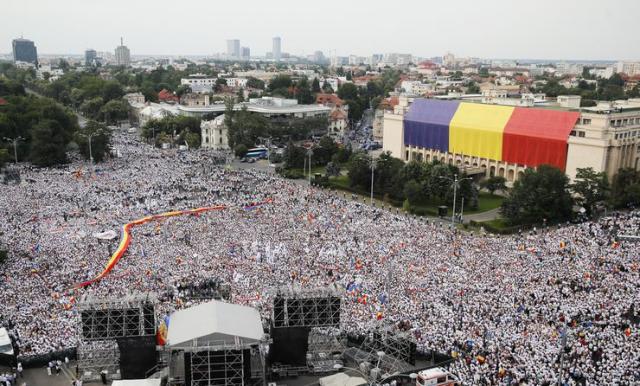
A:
545	29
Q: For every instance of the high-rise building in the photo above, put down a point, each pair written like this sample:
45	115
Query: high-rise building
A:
318	57
449	60
90	57
245	53
629	68
233	48
25	50
277	49
123	56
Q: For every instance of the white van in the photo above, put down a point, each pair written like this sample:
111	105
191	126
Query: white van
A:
5	342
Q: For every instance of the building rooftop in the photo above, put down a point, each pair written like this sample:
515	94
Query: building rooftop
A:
266	105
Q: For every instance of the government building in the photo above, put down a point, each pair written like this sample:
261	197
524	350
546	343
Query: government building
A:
499	140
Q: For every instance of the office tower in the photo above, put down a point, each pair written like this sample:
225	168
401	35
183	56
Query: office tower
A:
233	48
123	56
245	53
90	57
24	50
277	49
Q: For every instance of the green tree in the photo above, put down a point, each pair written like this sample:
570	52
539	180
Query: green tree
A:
537	195
494	183
326	87
359	170
612	92
303	92
240	150
4	157
48	143
315	86
634	92
625	188
473	88
112	90
293	156
114	111
413	192
100	137
590	188
91	107
246	127
326	148
348	91
280	84
388	175
220	82
255	83
333	169
192	139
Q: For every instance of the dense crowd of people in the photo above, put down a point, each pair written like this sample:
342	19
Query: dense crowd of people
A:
504	306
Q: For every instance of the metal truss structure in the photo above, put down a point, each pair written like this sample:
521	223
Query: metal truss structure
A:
306	308
111	318
97	356
325	349
217	363
398	349
106	319
223	367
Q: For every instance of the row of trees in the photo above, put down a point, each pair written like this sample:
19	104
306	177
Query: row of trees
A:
245	128
546	193
326	152
358	98
43	128
174	130
603	89
417	183
94	97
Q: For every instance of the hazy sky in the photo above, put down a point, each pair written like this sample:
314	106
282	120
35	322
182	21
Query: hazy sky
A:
538	29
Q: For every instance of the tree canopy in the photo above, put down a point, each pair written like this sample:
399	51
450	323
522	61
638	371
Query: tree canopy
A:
538	195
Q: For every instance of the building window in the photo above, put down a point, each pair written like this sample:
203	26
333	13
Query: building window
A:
573	133
406	155
581	134
586	121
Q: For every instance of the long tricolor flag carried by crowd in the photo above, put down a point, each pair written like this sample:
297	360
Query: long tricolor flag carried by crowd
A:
125	239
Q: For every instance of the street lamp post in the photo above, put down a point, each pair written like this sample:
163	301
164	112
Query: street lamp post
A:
89	136
373	168
455	192
309	153
15	145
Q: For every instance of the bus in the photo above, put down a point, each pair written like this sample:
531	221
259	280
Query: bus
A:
436	377
257	152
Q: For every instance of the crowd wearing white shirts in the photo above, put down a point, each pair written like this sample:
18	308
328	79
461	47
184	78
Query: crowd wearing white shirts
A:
502	305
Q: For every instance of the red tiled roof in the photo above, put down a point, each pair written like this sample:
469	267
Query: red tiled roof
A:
325	99
165	95
337	114
427	64
389	103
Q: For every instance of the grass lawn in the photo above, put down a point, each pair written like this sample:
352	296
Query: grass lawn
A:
498	223
486	201
314	170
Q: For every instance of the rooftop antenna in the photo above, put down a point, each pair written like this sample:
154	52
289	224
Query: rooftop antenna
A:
121	43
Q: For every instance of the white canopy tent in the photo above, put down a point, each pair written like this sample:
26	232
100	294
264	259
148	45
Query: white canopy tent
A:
341	379
214	323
